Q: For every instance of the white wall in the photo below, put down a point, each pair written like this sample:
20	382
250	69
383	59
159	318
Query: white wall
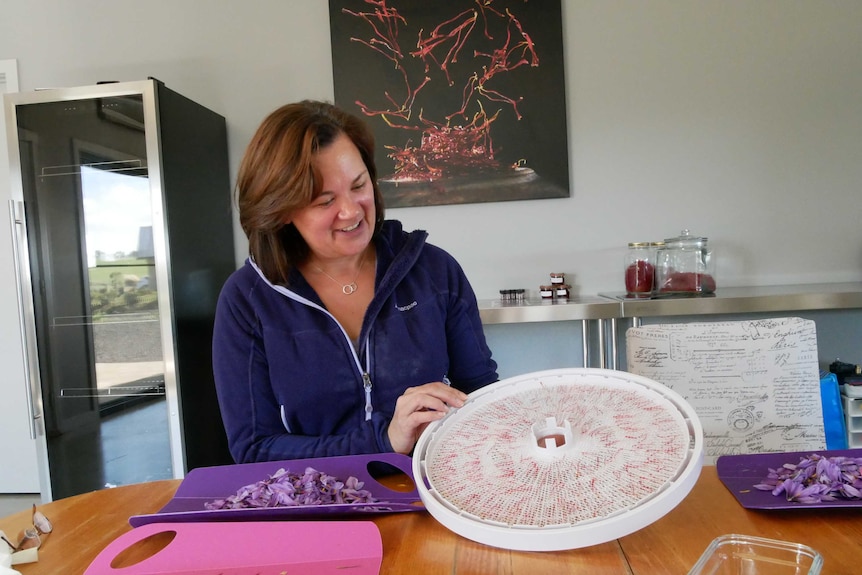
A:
739	119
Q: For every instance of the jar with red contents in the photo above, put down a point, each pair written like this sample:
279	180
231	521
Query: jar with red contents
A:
685	267
640	269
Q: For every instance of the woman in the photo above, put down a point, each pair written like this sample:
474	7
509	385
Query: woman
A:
341	333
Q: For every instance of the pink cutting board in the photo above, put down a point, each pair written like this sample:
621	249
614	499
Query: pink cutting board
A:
251	548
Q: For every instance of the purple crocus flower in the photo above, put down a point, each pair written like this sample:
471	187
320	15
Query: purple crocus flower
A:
816	479
285	489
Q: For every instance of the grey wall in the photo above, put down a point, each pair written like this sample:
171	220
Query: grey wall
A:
739	119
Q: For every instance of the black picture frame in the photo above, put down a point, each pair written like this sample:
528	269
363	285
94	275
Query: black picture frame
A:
466	98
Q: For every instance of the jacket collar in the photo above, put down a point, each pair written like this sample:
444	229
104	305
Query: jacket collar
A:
397	252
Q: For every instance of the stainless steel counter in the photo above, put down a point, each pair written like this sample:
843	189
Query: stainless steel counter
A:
725	301
604	309
575	309
748	300
587	310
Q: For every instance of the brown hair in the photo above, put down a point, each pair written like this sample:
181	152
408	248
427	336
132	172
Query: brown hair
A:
276	177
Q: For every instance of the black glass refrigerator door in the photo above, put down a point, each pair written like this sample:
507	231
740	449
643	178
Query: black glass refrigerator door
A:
88	203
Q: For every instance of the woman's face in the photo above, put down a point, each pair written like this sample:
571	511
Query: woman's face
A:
339	222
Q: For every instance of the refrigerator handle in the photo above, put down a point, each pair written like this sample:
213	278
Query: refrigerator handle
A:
18	225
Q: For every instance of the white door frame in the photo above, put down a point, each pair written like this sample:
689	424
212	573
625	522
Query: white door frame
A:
18	450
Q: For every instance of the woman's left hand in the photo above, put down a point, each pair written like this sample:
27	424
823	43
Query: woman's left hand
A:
418	407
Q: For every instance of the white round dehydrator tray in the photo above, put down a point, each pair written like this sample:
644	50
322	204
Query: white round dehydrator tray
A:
559	459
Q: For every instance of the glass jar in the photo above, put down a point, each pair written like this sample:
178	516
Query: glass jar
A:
512	295
658	253
562	291
684	267
639	268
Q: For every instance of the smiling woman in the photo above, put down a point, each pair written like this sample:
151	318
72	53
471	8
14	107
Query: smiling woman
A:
343	334
337	226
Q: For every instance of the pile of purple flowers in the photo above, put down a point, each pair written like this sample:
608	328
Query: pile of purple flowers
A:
285	489
816	478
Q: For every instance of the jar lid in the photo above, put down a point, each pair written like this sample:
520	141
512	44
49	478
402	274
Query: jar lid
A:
686	240
639	244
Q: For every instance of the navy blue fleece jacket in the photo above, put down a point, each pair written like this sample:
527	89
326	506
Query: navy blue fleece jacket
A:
290	384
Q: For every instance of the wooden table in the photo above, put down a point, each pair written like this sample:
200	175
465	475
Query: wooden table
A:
417	543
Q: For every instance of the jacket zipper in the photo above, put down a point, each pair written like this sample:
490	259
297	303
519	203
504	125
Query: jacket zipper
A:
367	384
366	377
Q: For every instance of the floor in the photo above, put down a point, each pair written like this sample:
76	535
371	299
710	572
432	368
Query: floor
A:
10	504
129	446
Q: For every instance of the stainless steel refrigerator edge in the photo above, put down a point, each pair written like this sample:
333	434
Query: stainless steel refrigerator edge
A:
189	191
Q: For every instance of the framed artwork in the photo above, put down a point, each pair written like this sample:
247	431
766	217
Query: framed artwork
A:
466	98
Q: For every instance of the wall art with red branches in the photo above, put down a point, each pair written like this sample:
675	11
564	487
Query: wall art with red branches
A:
466	98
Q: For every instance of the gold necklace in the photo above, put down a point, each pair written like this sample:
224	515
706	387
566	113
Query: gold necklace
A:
346	289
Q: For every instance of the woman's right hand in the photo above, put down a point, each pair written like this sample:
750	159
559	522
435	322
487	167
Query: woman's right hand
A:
418	407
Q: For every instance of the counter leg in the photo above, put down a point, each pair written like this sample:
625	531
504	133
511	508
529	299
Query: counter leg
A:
585	339
603	352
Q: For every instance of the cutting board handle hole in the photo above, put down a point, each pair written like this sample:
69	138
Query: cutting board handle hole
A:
147	547
397	479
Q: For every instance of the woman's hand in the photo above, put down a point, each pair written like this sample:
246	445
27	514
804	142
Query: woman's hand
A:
418	407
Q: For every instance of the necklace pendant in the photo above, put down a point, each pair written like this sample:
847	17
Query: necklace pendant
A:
349	288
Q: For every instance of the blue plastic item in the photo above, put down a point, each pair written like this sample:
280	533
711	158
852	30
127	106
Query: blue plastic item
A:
833	412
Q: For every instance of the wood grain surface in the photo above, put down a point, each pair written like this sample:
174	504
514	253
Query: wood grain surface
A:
417	543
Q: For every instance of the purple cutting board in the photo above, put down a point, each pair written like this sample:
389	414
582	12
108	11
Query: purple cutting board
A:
206	484
740	473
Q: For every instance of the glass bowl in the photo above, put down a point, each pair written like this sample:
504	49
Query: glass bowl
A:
746	555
